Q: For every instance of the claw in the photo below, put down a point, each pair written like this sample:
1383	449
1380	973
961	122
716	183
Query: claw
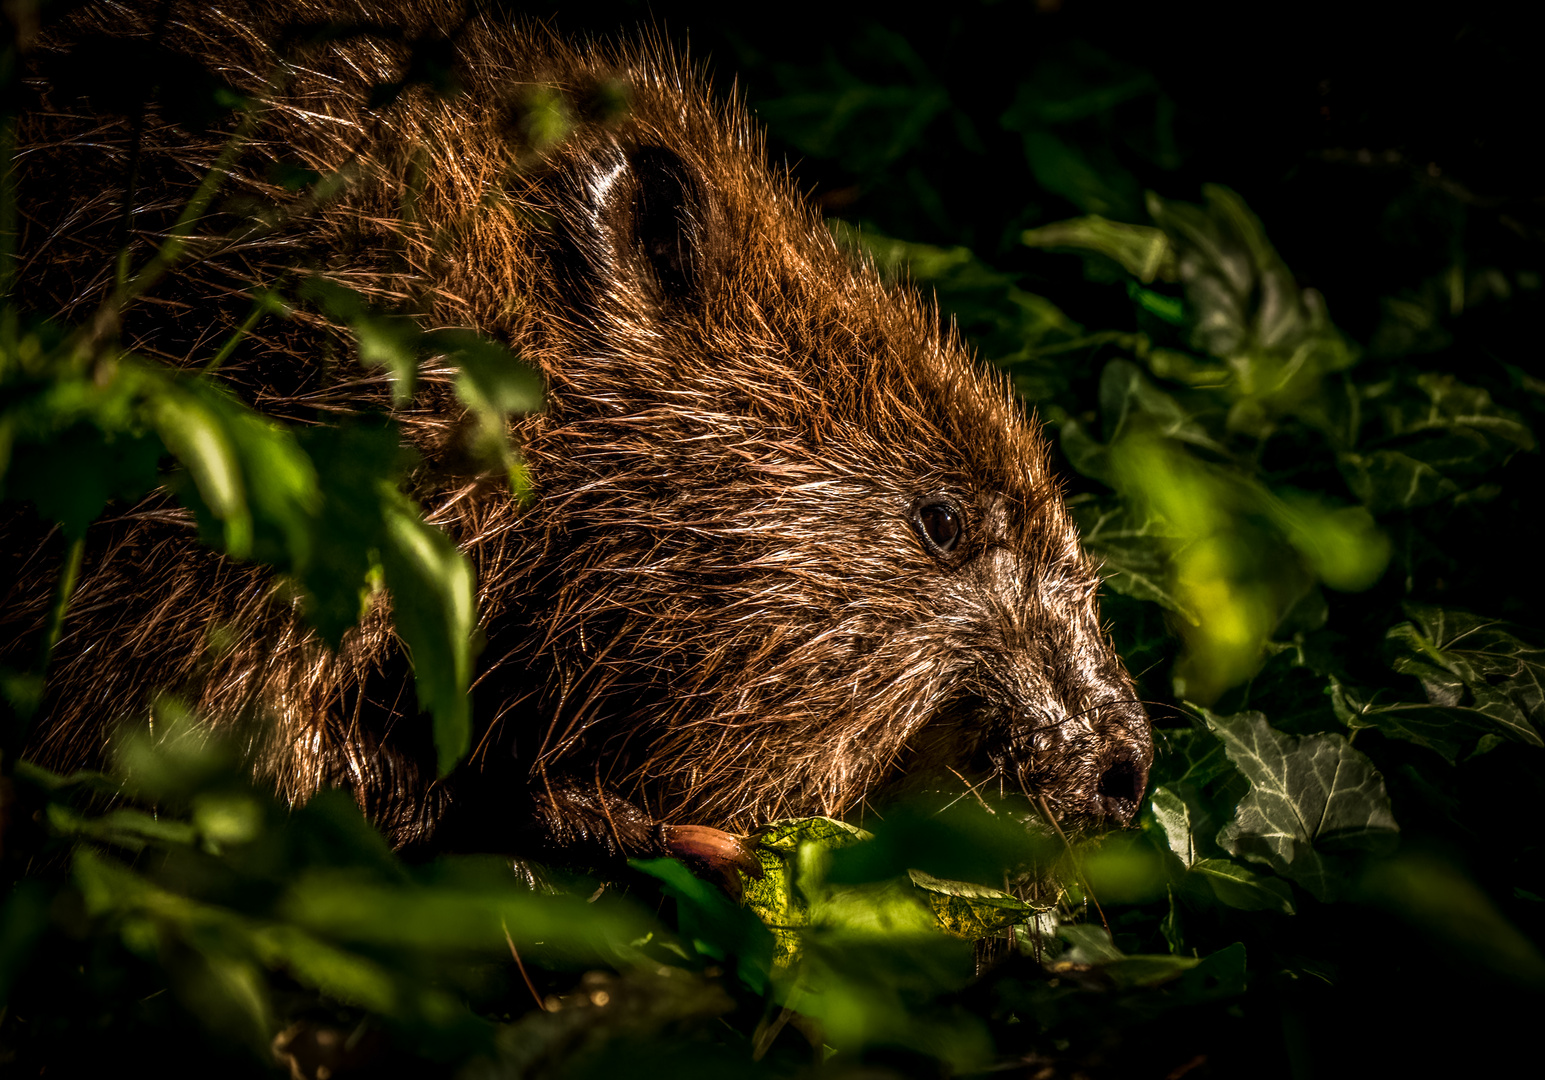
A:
712	854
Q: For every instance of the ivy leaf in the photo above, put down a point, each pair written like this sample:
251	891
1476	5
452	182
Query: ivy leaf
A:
1442	440
1090	949
1188	757
1310	799
1240	887
1246	308
1471	665
1172	817
1184	810
1131	545
1128	399
1451	732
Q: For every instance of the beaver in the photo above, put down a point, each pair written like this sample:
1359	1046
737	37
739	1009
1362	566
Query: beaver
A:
787	545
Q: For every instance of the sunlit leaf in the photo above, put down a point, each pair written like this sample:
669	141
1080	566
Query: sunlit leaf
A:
1173	818
972	911
776	897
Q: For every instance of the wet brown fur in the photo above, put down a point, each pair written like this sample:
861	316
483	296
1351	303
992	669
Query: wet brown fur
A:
717	608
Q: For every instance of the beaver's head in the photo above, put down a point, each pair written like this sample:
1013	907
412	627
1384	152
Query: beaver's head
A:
794	544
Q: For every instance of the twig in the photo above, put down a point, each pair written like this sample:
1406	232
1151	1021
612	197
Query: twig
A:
536	997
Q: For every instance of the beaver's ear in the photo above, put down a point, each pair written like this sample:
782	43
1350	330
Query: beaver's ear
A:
670	222
647	221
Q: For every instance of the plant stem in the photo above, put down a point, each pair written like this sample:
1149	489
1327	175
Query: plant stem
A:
64	589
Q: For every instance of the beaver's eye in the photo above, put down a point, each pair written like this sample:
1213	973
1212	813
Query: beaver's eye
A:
941	523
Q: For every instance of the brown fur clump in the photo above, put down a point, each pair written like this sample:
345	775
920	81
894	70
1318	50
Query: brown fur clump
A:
722	605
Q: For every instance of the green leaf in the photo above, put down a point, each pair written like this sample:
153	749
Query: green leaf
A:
1310	799
1132	545
714	924
1468	664
434	612
249	472
364	463
71	477
1011	327
1455	916
1247	310
1392	480
383	340
1442	437
1129	399
1143	251
1188	757
470	907
1090	948
491	377
973	911
1239	887
1172	816
785	849
1452	732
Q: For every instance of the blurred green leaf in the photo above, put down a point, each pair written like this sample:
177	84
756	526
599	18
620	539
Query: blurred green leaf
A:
434	612
713	924
249	471
384	340
473	909
1453	912
71	477
1143	251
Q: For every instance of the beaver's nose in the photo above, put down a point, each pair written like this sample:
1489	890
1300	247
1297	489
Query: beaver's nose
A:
1120	790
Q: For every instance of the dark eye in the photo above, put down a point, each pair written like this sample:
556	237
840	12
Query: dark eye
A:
941	523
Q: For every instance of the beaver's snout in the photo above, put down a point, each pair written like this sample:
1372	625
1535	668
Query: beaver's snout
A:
1090	770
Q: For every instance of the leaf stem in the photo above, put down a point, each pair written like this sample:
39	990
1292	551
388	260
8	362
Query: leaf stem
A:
259	305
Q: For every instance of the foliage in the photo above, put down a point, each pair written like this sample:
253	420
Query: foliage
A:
1315	536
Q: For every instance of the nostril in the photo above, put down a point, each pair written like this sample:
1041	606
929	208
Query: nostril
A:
1119	790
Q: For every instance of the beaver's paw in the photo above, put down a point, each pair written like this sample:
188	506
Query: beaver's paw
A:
715	856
